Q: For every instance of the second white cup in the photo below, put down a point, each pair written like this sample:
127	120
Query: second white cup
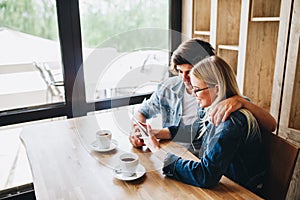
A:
104	138
128	163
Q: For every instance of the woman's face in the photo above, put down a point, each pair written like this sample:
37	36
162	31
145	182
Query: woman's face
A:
184	74
205	95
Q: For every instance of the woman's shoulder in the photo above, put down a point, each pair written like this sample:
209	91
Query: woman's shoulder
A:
235	126
237	118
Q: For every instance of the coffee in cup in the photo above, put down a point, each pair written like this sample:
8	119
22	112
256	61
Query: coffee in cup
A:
103	138
128	163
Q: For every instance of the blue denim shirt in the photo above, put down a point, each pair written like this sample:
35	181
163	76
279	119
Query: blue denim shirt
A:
225	150
167	101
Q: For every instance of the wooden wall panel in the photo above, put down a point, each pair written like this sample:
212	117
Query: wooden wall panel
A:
282	45
265	8
201	19
202	37
295	106
228	22
201	15
228	18
230	56
260	62
289	113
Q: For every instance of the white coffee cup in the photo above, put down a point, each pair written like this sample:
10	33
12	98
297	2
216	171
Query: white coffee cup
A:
128	163
104	138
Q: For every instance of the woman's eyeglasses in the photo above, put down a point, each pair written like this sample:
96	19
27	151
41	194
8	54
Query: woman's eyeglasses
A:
196	91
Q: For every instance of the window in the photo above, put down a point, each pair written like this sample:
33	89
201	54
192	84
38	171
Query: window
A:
30	62
125	46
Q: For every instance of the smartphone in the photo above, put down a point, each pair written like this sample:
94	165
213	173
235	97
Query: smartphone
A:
141	127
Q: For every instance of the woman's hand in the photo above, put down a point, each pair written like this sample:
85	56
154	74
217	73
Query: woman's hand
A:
137	140
151	142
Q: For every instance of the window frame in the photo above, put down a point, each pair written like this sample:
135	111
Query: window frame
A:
71	52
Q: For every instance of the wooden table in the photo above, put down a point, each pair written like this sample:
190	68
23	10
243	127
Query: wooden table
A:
65	167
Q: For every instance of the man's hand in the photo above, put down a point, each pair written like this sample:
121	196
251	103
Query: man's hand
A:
135	137
224	108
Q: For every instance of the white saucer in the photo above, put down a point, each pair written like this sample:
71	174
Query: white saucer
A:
113	145
140	171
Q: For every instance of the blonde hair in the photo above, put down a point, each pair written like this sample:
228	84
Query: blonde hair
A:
215	71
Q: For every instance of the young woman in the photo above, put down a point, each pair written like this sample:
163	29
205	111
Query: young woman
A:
174	102
233	148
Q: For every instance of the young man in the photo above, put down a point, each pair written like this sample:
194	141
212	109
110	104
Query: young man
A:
173	99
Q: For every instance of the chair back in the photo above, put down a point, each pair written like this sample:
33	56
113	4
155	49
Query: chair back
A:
281	157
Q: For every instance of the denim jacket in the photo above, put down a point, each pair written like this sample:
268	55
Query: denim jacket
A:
167	101
224	150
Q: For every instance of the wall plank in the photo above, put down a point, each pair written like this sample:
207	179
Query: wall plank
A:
260	62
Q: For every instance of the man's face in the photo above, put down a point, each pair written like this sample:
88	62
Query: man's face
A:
184	74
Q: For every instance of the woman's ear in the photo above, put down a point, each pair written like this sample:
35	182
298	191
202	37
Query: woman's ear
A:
214	92
216	89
